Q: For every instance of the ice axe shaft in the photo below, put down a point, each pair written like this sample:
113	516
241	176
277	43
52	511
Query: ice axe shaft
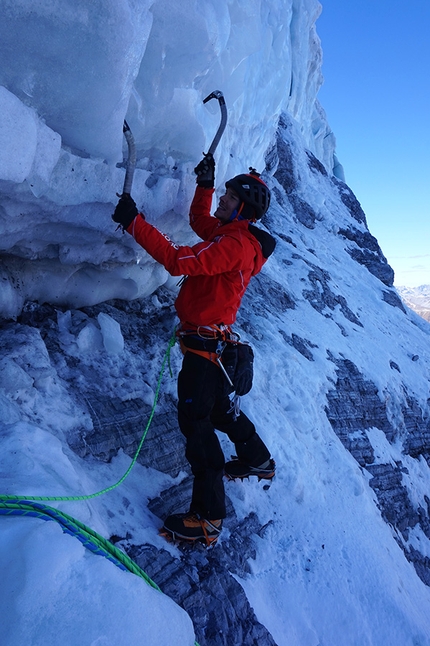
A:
218	95
131	161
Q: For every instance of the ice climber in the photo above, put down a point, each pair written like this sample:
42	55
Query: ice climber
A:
217	273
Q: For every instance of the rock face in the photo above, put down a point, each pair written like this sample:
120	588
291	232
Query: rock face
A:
353	408
202	582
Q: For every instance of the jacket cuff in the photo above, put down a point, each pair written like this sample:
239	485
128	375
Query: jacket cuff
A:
130	228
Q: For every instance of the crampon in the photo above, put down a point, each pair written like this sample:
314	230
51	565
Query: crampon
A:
237	470
191	528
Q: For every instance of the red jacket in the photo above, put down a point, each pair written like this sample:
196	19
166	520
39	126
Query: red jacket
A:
218	270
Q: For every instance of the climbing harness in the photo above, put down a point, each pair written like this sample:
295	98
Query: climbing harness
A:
208	341
220	345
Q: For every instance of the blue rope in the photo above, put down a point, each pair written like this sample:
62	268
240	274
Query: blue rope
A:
88	537
13	505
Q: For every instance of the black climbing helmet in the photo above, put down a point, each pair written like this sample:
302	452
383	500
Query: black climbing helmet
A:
253	193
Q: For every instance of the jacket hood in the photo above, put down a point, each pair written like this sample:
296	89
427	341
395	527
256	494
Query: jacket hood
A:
263	243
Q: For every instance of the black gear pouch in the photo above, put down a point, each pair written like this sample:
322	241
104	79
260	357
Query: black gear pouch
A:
238	362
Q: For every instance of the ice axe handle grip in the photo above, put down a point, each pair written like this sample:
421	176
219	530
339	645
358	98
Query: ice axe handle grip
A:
217	94
131	161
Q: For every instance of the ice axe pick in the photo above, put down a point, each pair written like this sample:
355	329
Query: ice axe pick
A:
217	94
131	161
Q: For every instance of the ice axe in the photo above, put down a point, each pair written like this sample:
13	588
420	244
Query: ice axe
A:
131	161
217	95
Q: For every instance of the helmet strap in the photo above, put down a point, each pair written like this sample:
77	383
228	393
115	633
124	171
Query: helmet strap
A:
246	211
236	213
239	211
233	216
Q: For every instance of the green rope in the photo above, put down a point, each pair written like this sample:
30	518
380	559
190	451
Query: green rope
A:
166	359
91	539
13	505
88	537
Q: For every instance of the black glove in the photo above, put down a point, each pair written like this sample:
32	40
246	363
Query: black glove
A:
126	211
205	172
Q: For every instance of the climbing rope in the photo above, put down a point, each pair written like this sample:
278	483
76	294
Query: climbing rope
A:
88	537
27	506
166	359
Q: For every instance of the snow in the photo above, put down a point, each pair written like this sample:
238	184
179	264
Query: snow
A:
53	590
40	562
328	570
113	340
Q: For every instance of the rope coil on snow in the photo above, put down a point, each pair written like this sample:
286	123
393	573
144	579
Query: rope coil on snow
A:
27	506
88	537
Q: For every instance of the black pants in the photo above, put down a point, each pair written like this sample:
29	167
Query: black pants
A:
203	406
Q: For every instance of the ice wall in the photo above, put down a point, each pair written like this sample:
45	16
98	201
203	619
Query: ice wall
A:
74	61
72	70
80	65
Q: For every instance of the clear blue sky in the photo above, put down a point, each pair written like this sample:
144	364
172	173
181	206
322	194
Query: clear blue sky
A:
376	93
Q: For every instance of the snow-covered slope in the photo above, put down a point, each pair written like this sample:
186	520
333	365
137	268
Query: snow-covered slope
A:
337	550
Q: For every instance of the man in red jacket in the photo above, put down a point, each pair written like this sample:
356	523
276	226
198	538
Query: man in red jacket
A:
217	272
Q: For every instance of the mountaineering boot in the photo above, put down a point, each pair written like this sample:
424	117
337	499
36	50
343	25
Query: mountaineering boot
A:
192	527
237	469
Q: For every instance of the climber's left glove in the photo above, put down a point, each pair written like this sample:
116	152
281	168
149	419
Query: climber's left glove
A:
126	211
